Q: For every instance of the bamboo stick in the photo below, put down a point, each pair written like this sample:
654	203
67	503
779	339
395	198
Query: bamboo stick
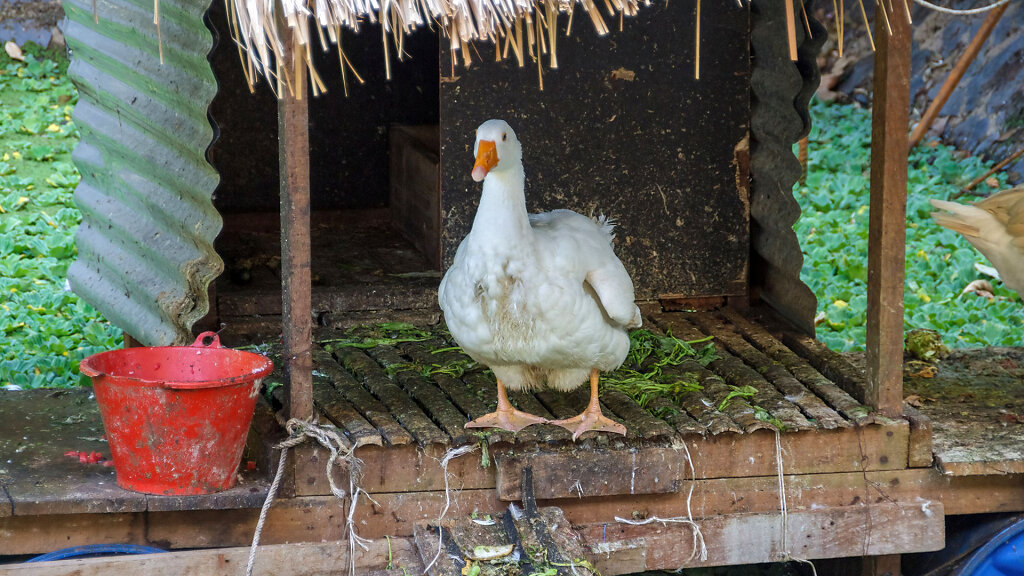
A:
1006	162
696	59
791	29
956	74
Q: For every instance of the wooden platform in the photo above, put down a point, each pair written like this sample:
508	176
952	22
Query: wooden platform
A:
976	402
856	484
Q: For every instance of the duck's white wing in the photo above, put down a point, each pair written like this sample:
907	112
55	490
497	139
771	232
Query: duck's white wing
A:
582	248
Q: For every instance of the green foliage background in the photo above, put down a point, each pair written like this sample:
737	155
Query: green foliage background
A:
833	232
46	330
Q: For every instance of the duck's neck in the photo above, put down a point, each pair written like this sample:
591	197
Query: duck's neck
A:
501	221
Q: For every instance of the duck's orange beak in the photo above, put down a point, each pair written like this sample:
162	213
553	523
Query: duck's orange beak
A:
486	159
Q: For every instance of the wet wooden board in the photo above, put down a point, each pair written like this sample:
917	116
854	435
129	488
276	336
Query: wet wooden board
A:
975	403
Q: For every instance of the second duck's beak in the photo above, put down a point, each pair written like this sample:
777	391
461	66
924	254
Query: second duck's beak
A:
486	159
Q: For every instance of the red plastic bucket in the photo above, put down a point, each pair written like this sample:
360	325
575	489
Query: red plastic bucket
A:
177	417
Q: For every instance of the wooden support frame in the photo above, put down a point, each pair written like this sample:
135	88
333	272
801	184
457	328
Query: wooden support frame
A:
296	279
887	224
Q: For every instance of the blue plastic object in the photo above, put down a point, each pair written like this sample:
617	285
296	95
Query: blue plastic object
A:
1003	555
93	550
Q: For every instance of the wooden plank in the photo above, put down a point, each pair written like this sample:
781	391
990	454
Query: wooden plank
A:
876	529
403	408
739	374
786	383
426	393
20	535
407	468
920	451
296	283
662	469
798	366
888	215
305	559
329	400
316	518
592	472
371	408
676	417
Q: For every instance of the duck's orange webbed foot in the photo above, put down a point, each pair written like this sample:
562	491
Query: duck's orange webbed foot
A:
506	416
591	418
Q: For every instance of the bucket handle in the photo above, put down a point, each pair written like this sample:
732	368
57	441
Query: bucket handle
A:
213	337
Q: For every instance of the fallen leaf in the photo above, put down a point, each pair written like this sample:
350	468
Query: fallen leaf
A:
927	371
14	51
980	288
1011	418
992	182
914	400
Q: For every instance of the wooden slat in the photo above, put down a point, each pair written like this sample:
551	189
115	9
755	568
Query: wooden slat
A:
592	472
276	560
739	374
676	417
875	529
375	412
427	394
296	283
828	362
888	213
462	394
798	366
639	420
737	417
403	408
920	454
333	405
793	390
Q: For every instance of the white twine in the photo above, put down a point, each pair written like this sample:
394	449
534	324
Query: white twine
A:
964	12
328	437
448	457
783	508
700	550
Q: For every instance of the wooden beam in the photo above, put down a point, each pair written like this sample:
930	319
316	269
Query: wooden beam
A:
277	560
296	284
887	222
956	74
874	529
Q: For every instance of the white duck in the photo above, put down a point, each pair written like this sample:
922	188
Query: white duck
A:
995	226
541	299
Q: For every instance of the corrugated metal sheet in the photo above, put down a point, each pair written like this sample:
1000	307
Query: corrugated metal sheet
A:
779	118
145	247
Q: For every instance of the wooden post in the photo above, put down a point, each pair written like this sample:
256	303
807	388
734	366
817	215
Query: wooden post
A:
887	223
296	286
881	565
956	74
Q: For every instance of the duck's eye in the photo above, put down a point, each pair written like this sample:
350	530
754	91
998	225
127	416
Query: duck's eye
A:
504	137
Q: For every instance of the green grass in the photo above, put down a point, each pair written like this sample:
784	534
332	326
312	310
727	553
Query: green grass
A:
833	231
46	330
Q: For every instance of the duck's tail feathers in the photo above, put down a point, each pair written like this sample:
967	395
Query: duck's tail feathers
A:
607	225
964	219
